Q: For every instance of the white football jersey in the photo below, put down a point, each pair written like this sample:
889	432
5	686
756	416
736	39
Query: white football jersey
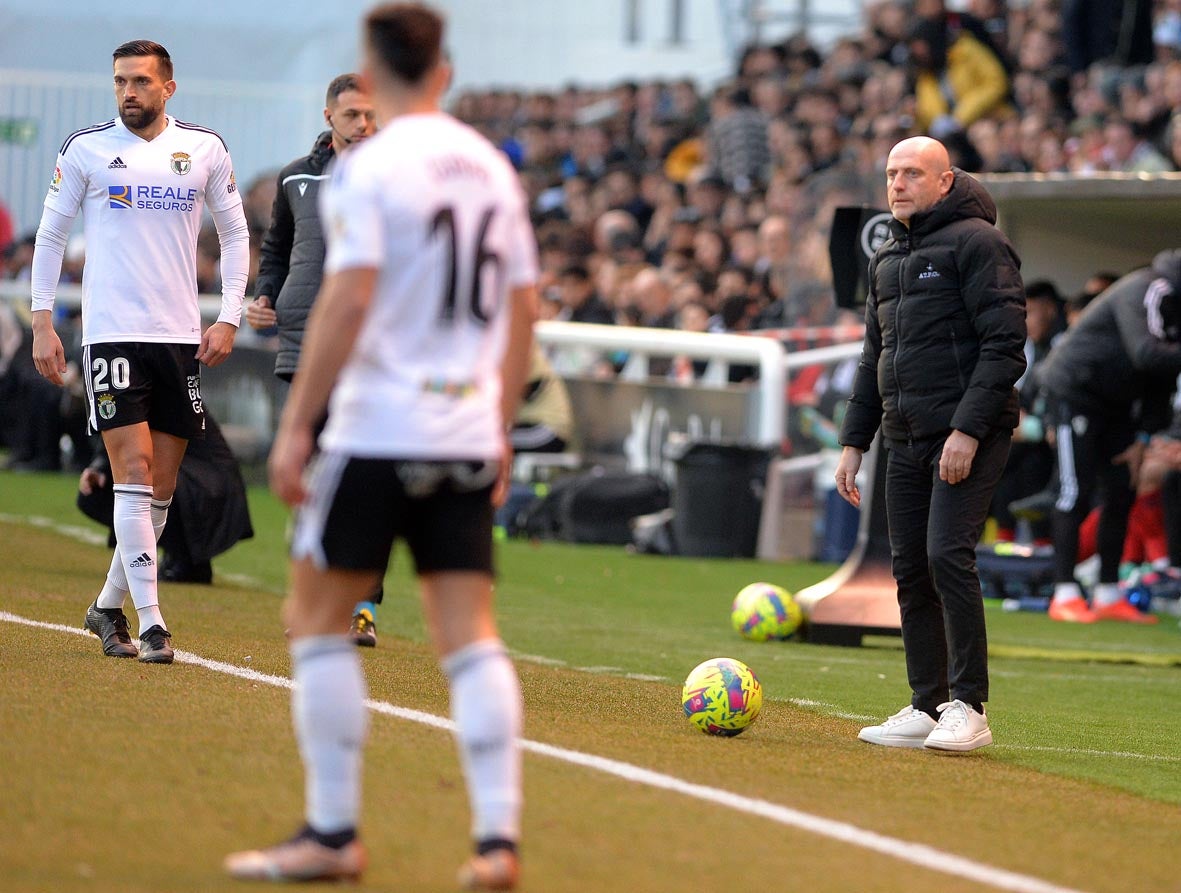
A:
141	205
440	213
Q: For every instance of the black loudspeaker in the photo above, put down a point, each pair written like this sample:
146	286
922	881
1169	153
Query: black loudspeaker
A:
857	232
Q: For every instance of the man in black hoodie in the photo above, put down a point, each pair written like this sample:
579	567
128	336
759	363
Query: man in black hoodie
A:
1109	383
944	345
291	264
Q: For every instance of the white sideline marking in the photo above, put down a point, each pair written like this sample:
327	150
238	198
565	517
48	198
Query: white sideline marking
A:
916	853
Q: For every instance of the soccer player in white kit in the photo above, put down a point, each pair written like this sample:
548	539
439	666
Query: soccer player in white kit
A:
141	181
421	336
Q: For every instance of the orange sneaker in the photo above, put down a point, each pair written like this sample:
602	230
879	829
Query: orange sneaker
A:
1073	610
496	870
1125	612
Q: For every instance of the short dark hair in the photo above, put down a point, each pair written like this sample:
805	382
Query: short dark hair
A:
146	48
341	83
406	37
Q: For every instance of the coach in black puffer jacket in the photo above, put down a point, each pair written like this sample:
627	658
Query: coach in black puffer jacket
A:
291	264
944	345
945	326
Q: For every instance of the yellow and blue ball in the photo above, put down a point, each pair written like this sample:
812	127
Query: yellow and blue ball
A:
722	696
763	611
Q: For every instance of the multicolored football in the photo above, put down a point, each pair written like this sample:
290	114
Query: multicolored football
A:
763	611
722	696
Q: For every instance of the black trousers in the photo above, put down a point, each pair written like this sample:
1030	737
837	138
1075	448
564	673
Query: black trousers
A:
934	530
1086	446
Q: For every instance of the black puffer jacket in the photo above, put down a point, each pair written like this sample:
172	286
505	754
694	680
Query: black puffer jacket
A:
944	326
291	263
1123	355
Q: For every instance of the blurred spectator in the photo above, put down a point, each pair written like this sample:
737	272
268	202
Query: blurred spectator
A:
737	139
1125	149
579	301
959	78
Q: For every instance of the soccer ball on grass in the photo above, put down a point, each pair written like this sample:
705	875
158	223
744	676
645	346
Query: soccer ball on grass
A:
722	696
763	611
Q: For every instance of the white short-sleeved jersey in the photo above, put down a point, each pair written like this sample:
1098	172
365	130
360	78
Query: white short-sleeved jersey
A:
141	205
441	214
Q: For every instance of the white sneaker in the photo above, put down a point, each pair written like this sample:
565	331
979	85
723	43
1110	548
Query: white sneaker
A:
960	728
906	728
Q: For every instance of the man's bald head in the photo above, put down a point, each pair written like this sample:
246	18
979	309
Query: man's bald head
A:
918	176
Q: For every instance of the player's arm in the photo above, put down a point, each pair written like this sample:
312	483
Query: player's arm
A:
274	261
514	368
48	250
335	321
233	234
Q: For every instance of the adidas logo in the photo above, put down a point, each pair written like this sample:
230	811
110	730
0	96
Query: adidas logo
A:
117	163
144	560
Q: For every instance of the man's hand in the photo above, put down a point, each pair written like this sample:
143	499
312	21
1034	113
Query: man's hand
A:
91	480
289	456
216	343
48	354
846	476
1133	457
504	478
260	314
958	452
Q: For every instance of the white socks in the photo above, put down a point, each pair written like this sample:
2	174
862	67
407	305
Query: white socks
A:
331	722
133	566
1105	594
1064	592
115	588
486	707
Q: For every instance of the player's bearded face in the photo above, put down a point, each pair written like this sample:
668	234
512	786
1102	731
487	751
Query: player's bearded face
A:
140	90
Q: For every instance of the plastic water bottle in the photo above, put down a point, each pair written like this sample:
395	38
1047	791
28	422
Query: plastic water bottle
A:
1027	603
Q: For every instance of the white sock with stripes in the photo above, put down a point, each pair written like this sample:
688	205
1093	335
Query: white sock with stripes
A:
115	589
328	709
486	707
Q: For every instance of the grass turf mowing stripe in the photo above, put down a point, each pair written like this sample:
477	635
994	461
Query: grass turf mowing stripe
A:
917	854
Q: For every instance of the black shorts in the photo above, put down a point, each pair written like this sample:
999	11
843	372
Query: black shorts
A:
137	381
356	509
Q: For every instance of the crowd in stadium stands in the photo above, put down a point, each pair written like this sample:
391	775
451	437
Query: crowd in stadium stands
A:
659	205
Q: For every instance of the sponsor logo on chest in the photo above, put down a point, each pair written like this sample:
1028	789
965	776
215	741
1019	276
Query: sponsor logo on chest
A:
929	273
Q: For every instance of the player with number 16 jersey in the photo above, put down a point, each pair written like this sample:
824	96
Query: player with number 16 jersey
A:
441	212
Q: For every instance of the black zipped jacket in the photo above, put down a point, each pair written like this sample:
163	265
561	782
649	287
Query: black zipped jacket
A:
291	260
944	326
1122	356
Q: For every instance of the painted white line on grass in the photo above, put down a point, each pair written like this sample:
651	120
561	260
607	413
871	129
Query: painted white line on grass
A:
916	853
1106	754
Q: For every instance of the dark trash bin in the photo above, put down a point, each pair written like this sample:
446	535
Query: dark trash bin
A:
718	499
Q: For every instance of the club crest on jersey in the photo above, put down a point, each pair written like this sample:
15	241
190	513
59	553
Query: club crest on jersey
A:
120	196
106	406
181	163
55	185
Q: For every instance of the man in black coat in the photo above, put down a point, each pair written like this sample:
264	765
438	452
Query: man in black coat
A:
291	264
944	345
1109	383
